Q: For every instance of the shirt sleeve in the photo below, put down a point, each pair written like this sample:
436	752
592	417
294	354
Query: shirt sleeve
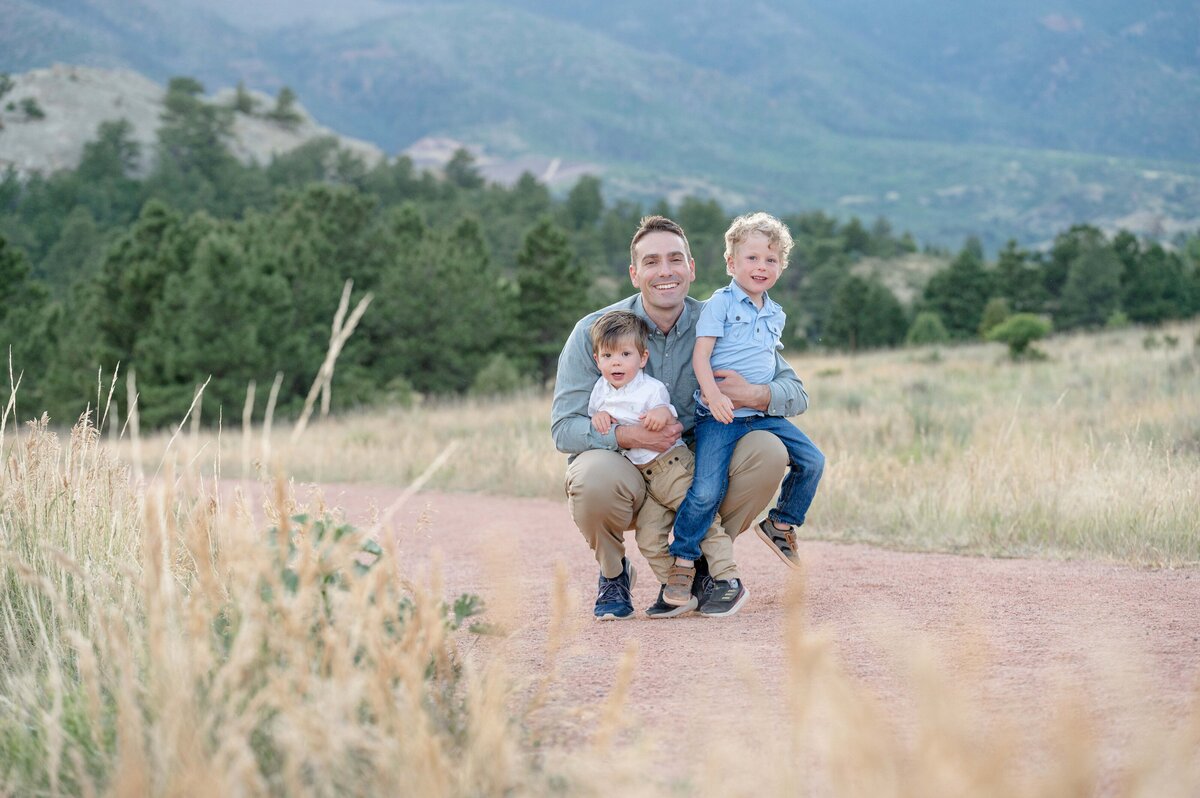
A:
712	318
596	399
788	397
570	425
659	397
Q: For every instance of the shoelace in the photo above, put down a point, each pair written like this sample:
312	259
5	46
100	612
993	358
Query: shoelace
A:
727	593
613	590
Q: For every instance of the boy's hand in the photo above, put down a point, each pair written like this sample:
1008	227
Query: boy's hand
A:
743	394
656	418
602	422
721	407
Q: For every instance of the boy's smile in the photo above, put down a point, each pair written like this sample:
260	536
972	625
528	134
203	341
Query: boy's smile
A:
755	265
620	364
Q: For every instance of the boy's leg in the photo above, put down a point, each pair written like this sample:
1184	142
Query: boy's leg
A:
806	464
757	466
667	482
604	493
714	449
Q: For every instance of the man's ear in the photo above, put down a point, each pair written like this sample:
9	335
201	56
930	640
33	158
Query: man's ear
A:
633	275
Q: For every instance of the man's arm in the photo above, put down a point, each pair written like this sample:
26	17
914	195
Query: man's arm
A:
784	395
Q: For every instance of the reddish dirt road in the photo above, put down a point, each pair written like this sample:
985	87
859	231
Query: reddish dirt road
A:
1106	629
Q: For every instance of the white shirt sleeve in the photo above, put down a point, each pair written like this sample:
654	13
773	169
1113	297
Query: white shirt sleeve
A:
596	400
659	397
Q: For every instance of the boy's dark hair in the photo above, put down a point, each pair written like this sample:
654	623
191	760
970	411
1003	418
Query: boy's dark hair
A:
619	325
657	224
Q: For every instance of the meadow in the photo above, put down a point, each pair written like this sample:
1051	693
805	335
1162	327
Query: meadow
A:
1091	452
159	638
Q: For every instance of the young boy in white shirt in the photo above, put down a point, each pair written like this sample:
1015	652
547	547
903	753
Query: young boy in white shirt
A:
625	394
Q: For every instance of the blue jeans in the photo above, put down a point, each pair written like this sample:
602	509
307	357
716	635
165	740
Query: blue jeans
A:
714	448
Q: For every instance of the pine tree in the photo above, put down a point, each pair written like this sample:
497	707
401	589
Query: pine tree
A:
1092	291
552	290
461	170
584	203
958	294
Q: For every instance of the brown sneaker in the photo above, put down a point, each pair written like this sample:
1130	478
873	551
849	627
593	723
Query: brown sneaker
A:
782	542
678	591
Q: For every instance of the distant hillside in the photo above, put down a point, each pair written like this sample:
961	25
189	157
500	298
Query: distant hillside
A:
949	117
74	101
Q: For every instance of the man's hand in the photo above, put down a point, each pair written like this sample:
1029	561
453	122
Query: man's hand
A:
740	392
721	406
656	418
638	437
602	422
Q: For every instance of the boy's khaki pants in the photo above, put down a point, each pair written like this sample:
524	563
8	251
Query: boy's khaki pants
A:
607	495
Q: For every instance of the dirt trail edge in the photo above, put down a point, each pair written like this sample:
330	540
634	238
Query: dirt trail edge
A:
1129	639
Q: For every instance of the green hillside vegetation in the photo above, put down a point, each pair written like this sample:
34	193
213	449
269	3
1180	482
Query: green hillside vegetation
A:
206	267
1005	121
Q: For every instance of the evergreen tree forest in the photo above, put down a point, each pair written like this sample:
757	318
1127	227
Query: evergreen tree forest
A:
184	264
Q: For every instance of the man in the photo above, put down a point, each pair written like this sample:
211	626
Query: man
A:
606	493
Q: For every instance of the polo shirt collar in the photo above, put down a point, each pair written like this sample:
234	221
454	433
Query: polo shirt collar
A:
740	294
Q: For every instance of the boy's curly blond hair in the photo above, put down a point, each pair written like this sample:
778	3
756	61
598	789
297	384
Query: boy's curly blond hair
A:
776	232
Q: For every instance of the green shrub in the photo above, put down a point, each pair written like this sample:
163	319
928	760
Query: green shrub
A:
500	376
1117	320
995	313
927	328
1019	331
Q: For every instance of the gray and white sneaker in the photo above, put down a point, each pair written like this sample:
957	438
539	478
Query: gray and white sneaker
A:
727	597
661	609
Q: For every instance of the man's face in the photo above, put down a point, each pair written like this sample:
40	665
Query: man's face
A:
663	271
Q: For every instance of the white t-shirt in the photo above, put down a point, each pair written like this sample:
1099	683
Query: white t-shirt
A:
625	404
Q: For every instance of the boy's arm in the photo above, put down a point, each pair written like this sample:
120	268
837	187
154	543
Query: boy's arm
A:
659	410
718	403
784	395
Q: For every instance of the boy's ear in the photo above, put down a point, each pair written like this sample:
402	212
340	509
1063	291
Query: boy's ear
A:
729	265
645	358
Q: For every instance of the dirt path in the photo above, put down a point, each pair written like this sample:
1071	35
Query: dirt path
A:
1103	628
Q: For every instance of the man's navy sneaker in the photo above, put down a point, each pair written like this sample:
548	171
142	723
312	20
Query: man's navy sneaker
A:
614	600
702	586
727	597
661	609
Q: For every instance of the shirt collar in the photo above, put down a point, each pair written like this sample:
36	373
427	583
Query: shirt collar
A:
682	324
637	380
740	295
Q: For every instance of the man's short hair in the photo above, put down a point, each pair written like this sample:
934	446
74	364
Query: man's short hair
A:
617	326
656	224
776	232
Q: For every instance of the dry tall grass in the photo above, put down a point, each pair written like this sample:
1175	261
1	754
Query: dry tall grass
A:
1093	452
158	641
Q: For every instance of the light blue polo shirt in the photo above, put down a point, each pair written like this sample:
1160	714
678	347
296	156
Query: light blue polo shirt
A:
747	337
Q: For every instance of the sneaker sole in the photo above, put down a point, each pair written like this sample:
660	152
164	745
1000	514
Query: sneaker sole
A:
675	612
737	605
762	534
608	616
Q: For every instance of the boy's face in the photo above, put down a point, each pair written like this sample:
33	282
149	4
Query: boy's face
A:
619	364
755	264
663	272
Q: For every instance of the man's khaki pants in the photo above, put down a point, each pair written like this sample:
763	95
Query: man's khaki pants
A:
606	495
